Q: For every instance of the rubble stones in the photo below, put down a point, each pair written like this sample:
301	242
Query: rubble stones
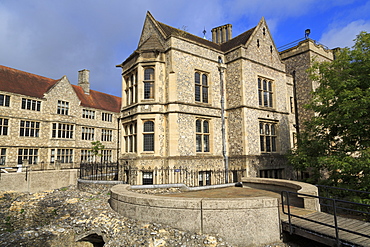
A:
73	218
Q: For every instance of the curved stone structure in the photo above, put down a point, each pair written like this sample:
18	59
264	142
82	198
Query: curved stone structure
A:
278	185
248	221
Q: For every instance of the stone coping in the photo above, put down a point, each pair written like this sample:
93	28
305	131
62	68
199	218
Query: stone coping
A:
310	203
123	193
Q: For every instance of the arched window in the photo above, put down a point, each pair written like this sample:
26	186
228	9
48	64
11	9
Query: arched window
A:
130	137
148	136
202	135
268	137
201	87
265	92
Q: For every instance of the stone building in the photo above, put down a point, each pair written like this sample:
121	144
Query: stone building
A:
45	122
201	112
298	58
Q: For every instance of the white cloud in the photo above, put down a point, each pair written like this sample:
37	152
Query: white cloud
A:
344	36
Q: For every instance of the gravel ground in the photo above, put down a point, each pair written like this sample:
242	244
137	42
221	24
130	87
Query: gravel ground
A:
65	216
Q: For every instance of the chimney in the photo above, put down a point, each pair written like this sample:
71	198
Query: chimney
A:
222	34
83	80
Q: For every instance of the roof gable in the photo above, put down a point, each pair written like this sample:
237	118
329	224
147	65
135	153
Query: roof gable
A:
20	82
168	31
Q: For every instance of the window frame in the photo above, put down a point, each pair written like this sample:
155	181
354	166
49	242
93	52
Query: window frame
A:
2	156
87	155
107	117
106	135
130	137
148	84
61	154
63	107
29	128
62	131
30	154
87	134
266	88
31	104
131	88
148	136
4	127
88	114
268	133
202	135
5	100
201	87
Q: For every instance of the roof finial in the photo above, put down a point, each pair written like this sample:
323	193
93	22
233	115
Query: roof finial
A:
204	33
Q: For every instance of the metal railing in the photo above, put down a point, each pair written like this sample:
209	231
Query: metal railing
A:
99	171
296	42
333	205
157	175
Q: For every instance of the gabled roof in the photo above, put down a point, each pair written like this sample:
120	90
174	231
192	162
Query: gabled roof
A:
98	100
232	43
20	82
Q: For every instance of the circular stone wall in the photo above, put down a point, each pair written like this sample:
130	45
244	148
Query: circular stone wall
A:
240	221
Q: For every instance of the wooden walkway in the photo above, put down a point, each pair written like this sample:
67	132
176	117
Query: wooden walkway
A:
326	234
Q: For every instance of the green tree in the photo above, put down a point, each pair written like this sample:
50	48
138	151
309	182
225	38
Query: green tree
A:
96	148
336	141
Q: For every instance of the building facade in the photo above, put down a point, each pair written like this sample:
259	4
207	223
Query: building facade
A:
46	122
201	112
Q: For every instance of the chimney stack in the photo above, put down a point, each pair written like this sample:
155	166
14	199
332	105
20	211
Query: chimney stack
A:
83	80
222	34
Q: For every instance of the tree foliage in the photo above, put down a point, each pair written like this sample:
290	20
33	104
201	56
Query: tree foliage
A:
336	141
96	148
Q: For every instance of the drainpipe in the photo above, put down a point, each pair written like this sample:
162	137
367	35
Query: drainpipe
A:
221	68
296	106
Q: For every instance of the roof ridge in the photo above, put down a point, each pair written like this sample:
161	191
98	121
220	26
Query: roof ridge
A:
28	73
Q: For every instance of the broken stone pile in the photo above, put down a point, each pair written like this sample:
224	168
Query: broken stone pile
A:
70	217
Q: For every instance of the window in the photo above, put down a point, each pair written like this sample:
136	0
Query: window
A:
106	135
149	83
201	87
4	126
29	128
202	135
130	137
63	107
88	133
88	114
106	117
28	154
147	178
4	100
265	93
87	156
2	156
148	134
291	104
268	137
61	155
272	173
106	156
30	104
204	178
131	88
62	131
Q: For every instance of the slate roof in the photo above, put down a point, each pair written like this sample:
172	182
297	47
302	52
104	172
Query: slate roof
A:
24	83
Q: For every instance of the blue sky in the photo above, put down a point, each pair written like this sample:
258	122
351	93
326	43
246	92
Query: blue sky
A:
56	38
